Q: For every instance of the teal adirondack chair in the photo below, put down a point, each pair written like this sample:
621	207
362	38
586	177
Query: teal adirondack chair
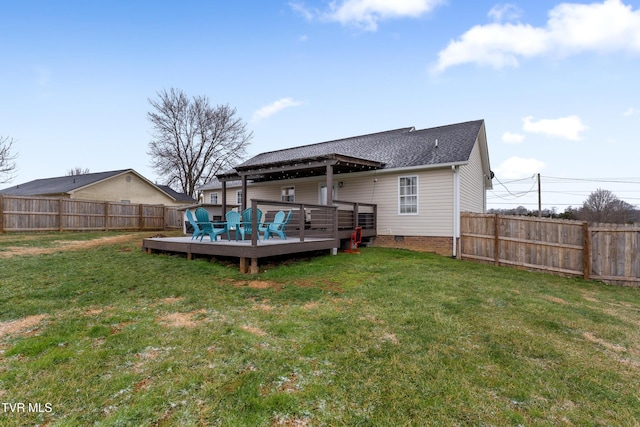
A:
233	221
278	225
206	226
197	231
246	227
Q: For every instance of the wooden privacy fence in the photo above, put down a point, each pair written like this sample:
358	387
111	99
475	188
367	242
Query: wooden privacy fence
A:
19	213
606	252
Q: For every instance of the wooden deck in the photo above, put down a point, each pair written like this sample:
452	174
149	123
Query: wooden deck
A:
244	250
312	228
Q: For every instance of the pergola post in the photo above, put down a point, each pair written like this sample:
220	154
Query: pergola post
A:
224	199
329	184
244	193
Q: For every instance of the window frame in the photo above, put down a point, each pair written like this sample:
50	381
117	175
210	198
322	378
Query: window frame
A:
402	198
217	197
288	197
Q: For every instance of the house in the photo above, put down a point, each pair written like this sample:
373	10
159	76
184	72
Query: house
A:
125	185
419	180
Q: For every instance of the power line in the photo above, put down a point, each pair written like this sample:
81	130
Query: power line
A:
512	193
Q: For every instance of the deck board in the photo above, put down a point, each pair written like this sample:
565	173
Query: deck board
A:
241	249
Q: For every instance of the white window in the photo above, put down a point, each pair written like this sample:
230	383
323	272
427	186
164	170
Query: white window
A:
408	195
288	194
239	197
214	198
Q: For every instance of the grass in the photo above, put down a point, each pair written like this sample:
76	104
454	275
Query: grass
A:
111	336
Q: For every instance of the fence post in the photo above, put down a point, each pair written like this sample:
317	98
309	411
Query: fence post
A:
165	214
1	214
106	216
586	249
60	228
496	240
141	216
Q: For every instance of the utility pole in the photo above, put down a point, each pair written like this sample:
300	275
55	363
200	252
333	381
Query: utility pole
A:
539	198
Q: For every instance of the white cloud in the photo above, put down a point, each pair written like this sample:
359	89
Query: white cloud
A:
300	8
631	112
517	167
566	127
504	12
273	108
571	28
366	14
512	138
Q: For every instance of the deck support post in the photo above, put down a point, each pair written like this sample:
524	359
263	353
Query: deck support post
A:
254	266
243	265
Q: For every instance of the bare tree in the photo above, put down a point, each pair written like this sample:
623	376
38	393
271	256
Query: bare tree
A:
193	141
77	171
7	159
605	207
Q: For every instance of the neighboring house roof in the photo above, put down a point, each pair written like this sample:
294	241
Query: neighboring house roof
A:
399	148
66	185
60	185
216	184
178	197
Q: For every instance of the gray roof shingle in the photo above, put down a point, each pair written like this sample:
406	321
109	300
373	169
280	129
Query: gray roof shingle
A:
65	184
59	185
397	148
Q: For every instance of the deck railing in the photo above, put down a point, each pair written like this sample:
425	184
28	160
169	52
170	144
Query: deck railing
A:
319	221
352	215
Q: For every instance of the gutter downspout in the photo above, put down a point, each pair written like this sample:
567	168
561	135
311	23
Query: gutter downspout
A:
456	209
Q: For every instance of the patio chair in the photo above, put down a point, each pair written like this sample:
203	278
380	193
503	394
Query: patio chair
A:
278	225
233	221
246	227
206	226
197	231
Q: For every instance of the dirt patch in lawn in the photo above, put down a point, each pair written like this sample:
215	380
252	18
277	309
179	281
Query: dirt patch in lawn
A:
609	346
268	284
20	326
68	245
253	330
556	300
182	320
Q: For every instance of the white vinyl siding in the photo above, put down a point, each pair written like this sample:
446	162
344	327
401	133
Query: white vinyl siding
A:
435	199
472	183
408	195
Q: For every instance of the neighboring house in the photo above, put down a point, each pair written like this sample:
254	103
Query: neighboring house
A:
420	180
125	185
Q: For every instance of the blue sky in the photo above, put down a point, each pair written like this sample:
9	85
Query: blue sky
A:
557	83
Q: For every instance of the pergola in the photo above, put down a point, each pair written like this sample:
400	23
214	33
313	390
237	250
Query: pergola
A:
328	165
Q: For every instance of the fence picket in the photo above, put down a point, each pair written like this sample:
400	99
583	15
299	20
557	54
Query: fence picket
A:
606	252
19	214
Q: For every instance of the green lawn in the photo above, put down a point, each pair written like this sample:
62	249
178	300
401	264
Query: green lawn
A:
108	335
